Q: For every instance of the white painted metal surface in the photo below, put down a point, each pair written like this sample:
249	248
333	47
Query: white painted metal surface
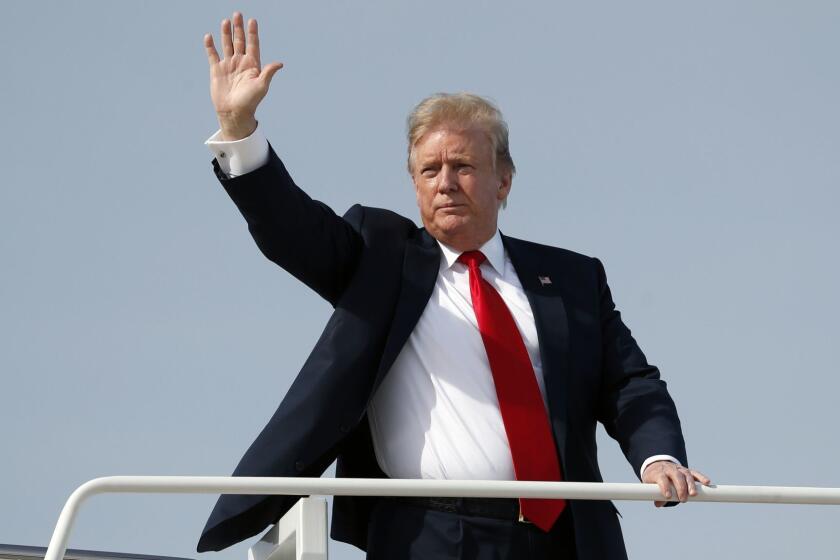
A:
301	534
391	487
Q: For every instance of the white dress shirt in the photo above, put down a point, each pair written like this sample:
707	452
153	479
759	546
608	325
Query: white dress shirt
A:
436	414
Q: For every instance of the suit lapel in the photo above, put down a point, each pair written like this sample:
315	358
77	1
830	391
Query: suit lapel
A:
552	328
420	268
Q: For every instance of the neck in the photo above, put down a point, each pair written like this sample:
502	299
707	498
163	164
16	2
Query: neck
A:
464	243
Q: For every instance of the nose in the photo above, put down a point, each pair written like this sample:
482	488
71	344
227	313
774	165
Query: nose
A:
447	179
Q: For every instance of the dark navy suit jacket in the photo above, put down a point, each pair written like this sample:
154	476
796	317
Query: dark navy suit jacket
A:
377	269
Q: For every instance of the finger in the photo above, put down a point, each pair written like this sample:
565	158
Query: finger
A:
701	477
238	34
690	482
227	42
212	55
254	40
678	480
658	503
664	485
268	72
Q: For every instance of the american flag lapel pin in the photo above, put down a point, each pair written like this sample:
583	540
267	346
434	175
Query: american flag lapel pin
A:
544	281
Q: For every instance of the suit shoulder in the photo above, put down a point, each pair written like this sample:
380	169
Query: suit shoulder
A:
575	269
550	252
378	224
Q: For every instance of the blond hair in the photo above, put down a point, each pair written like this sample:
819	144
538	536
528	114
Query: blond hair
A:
464	111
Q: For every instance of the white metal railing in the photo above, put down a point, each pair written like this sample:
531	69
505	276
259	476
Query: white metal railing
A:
395	487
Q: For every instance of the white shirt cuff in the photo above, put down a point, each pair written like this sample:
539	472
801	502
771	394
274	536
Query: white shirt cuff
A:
238	157
655	458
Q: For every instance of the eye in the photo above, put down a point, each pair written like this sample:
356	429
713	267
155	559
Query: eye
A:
428	172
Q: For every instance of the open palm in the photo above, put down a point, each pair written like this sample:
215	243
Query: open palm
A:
238	82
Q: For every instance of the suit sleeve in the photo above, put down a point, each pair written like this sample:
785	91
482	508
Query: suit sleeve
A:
303	236
635	407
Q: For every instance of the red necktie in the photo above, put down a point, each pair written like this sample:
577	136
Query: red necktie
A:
523	412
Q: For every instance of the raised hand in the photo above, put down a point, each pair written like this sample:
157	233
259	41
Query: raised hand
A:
237	82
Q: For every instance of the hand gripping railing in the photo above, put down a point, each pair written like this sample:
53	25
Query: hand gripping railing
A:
395	487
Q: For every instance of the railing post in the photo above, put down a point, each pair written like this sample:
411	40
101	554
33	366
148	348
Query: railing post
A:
301	534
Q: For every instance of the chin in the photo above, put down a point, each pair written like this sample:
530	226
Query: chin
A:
460	238
452	226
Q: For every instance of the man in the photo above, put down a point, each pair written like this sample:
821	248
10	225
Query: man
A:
454	351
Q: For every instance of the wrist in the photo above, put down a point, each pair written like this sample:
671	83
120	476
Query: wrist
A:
655	459
236	127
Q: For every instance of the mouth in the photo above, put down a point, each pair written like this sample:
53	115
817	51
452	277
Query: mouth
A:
449	206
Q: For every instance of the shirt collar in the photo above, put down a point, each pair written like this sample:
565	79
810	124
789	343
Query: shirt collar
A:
493	249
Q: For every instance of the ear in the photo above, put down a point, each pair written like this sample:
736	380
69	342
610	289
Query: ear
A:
505	183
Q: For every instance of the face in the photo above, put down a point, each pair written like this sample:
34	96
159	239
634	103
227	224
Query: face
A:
458	191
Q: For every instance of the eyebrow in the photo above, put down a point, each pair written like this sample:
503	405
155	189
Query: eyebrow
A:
457	158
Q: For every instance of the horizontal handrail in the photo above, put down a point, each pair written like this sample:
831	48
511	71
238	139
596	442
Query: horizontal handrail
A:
402	487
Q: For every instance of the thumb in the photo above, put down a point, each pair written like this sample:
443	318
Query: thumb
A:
269	70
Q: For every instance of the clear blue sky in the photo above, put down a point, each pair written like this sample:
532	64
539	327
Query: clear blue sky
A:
693	147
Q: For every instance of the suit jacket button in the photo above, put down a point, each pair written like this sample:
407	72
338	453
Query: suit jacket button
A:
345	428
299	466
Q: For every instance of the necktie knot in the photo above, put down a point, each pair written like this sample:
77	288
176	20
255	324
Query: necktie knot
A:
472	259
